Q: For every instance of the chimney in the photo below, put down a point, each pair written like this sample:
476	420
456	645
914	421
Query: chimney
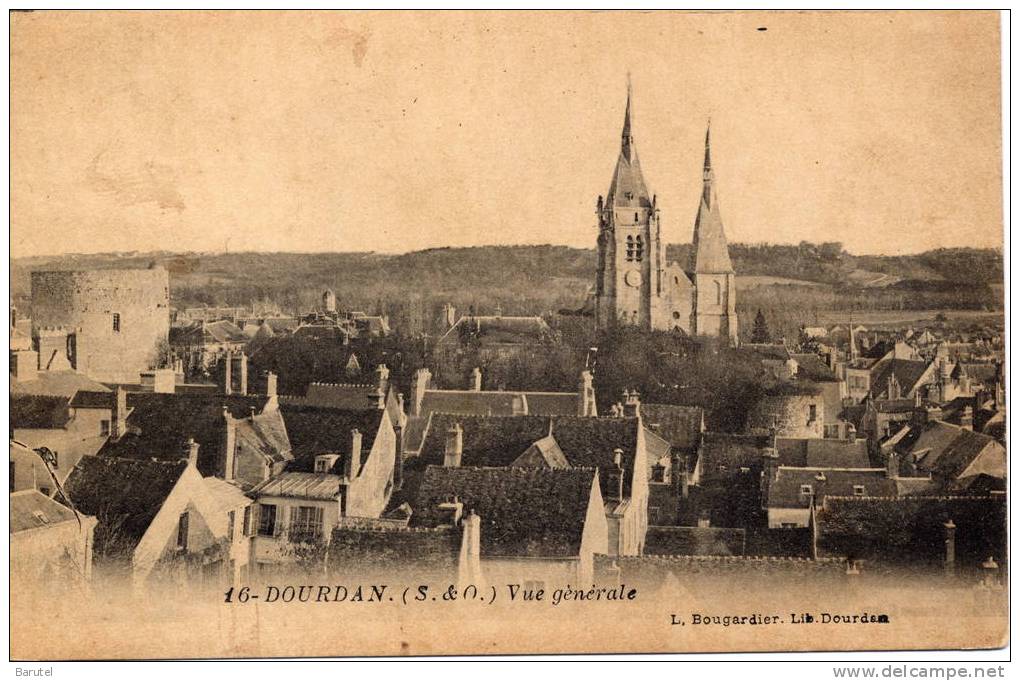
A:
449	316
228	383
354	460
191	452
476	379
681	478
400	403
586	395
851	433
950	564
229	444
892	465
118	416
379	397
631	403
967	418
242	372
614	480
419	384
382	377
469	568
454	446
271	380
769	471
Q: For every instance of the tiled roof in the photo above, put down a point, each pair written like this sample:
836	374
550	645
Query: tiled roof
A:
123	495
907	372
223	495
313	431
694	541
265	434
728	453
160	424
336	396
656	448
64	383
300	485
221	331
481	403
823	453
533	512
785	489
945	450
31	509
811	367
496	441
38	411
93	399
361	548
681	426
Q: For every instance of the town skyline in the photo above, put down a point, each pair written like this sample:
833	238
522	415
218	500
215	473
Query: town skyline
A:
378	152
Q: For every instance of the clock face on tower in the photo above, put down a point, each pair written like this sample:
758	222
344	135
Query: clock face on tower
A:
633	278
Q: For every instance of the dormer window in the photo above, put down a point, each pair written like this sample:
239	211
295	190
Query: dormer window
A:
858	490
806	490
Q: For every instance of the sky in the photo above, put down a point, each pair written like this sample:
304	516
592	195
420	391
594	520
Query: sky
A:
393	132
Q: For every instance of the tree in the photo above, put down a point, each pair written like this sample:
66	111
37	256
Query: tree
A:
760	332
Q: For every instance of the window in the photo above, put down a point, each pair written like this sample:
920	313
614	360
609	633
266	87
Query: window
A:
635	218
639	249
805	490
267	520
104	427
812	413
230	526
858	490
630	249
116	322
248	529
182	531
832	430
718	293
307	524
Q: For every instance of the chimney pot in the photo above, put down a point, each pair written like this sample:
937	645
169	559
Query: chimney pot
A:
454	446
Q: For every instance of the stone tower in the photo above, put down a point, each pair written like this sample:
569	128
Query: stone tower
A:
715	299
629	253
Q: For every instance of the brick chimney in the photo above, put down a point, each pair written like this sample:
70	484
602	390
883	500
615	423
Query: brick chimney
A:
118	416
631	403
271	392
228	366
419	384
476	379
454	446
892	465
586	395
382	377
967	418
354	460
614	479
242	371
191	452
229	443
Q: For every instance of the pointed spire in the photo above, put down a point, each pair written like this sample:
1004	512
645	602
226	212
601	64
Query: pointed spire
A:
710	252
627	142
628	185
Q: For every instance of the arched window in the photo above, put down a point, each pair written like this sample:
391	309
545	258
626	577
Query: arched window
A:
635	218
718	293
630	248
639	248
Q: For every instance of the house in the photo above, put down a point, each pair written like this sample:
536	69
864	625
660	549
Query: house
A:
893	378
28	470
50	544
537	525
825	453
343	468
954	456
240	437
793	411
201	345
812	370
70	427
161	520
427	400
490	339
791	494
615	446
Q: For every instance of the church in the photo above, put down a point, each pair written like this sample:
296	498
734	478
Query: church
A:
634	284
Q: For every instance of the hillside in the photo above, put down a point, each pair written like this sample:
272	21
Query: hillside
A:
412	287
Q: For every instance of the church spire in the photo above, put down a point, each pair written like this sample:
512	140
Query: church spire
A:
710	252
628	185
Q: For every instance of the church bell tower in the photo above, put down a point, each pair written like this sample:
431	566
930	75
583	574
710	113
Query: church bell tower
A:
630	270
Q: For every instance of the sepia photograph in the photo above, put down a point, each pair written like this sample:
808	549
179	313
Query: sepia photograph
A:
493	333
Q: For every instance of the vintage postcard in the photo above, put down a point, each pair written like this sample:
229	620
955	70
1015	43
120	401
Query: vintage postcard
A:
448	333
